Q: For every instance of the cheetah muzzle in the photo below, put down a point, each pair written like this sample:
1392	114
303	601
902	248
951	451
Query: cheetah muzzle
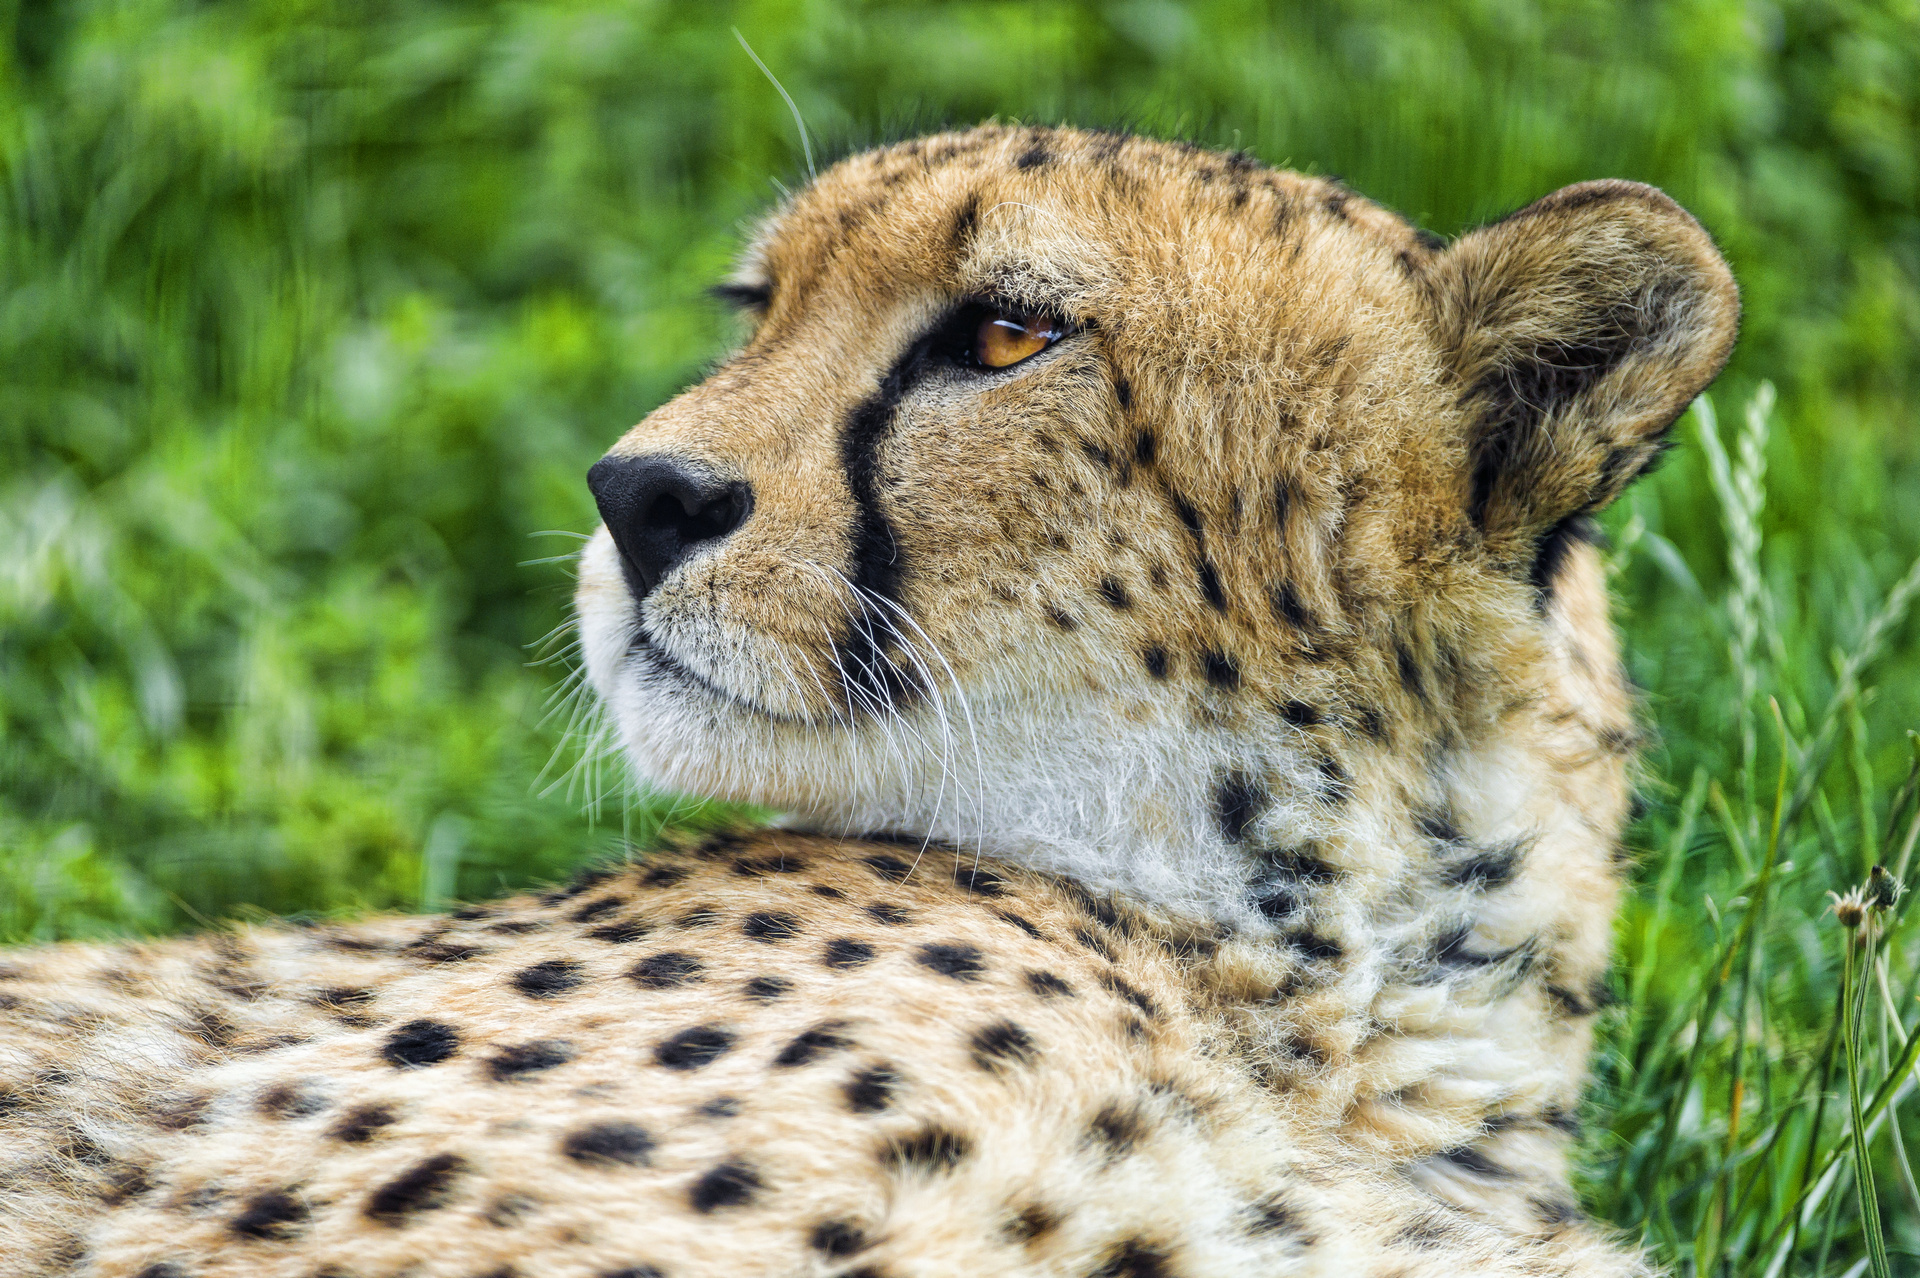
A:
1160	591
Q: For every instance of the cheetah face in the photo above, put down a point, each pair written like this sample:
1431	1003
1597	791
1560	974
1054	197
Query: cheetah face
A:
1102	503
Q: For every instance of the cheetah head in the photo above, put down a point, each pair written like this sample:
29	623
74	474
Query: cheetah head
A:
1144	513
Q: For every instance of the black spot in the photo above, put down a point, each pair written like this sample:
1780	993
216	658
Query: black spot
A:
770	926
163	1269
1561	1120
1467	1158
1550	1211
731	1184
1598	996
1095	943
1276	900
127	1182
594	909
1426	1232
760	866
1301	864
1002	1043
929	1149
1145	446
1134	1258
358	1125
966	220
664	876
971	878
665	970
1115	1130
1371	723
721	1107
1221	670
838	1238
610	1145
635	1271
1313	946
961	962
1116	985
342	998
274	1215
844	952
1210	585
1188	516
891	915
622	933
1288	607
1410	676
519	1059
1274	1215
765	989
425	1186
1237	801
1034	157
871	1090
693	1048
420	1043
1061	619
832	893
549	979
891	868
1047	985
1450	949
432	948
1439	825
1019	921
291	1100
1485	868
825	1037
1335	785
1114	593
1155	658
1029	1223
1299	714
507	1211
698	916
1556	544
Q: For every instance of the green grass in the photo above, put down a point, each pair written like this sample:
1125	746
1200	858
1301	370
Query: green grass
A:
312	317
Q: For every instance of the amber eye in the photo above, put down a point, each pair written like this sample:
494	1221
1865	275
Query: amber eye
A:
1004	338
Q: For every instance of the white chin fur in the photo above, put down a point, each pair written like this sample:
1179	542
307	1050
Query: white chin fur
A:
1114	801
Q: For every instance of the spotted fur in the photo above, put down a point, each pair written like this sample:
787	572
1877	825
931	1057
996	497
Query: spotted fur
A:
1204	750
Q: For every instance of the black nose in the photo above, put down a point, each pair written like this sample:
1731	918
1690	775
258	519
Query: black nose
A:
660	510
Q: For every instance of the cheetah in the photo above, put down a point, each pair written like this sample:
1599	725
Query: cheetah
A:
1160	593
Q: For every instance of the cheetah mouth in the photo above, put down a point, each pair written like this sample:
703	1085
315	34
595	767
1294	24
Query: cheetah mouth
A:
645	651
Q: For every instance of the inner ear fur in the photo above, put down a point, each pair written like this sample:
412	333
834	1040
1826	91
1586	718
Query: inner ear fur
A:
1579	329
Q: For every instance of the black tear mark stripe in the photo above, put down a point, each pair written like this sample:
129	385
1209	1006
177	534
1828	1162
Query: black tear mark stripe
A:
868	673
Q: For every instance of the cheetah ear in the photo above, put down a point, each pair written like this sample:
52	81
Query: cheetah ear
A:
1579	328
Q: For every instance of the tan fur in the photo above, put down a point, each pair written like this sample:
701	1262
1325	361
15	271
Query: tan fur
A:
1243	659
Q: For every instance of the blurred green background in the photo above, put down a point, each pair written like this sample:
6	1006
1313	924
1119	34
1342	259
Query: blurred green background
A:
312	317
